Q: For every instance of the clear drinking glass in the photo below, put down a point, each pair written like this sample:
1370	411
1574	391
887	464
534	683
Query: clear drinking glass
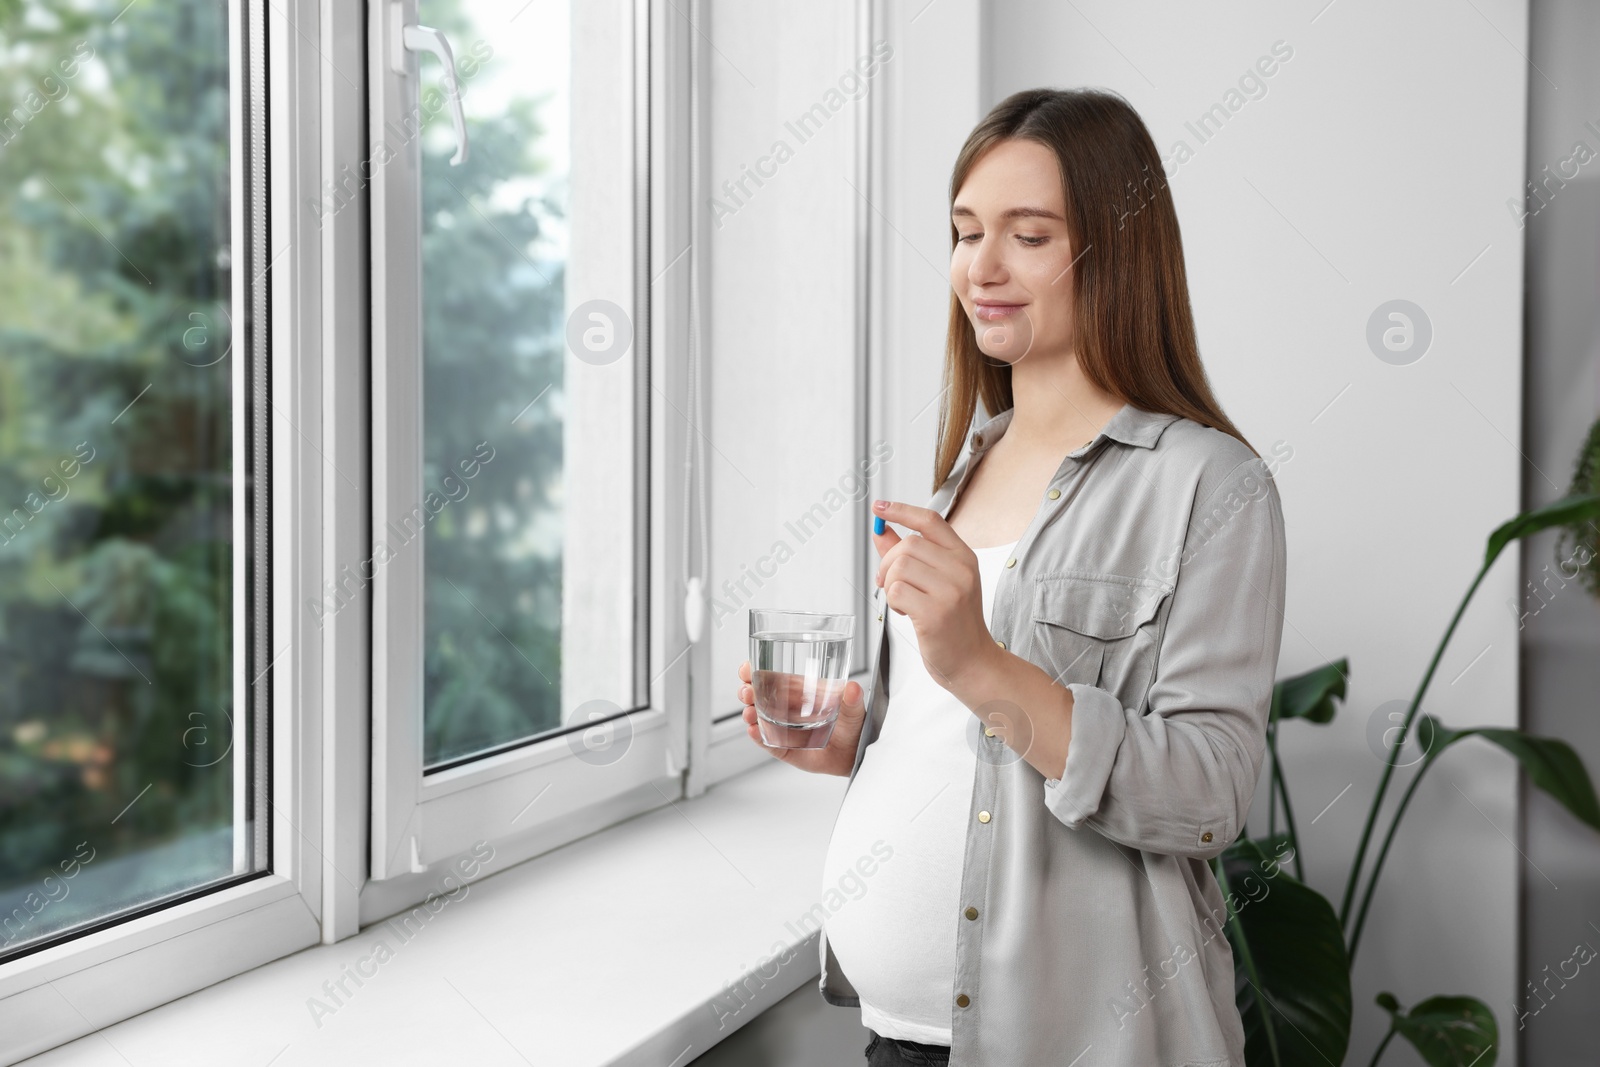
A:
799	664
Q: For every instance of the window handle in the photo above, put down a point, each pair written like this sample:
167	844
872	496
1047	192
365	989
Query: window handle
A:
416	38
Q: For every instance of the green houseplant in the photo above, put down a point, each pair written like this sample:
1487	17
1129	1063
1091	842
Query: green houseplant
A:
1579	540
1292	949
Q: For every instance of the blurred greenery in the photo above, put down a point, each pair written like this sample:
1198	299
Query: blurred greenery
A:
1577	547
493	290
116	464
116	660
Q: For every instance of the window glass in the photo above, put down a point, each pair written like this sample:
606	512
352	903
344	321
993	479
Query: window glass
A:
120	767
494	250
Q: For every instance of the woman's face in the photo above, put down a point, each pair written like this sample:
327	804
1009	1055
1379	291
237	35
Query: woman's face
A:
1010	266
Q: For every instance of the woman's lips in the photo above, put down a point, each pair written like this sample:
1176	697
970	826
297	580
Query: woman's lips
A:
991	312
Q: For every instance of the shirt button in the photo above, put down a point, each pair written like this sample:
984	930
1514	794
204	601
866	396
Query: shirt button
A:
1206	837
977	440
1002	644
1011	562
1052	781
1054	494
983	816
963	1000
880	616
971	913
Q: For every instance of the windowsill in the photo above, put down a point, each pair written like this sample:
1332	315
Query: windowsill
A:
613	949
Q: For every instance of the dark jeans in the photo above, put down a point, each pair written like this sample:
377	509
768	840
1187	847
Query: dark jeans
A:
892	1052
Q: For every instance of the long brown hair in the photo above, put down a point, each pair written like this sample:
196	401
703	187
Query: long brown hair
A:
1133	329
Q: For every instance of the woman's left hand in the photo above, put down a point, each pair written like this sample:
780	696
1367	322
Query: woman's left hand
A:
932	579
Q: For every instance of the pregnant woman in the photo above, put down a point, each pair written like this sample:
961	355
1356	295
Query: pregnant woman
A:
1075	643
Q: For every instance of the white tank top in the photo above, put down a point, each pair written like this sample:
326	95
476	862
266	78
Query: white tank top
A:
895	933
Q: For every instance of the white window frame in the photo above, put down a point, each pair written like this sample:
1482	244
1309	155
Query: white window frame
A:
537	796
75	987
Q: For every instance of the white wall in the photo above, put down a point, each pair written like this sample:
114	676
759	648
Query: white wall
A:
1376	166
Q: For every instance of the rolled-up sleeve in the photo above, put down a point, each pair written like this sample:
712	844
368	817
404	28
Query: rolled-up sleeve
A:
1179	778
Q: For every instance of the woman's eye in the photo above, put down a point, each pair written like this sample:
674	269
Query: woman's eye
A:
1031	242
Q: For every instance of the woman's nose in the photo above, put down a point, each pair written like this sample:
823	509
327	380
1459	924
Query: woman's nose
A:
987	264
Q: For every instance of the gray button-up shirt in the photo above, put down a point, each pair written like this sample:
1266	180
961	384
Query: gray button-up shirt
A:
1151	585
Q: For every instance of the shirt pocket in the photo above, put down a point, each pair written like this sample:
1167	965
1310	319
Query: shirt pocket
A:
1099	629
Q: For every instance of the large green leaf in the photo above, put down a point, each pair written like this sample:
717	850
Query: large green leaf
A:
1291	974
1447	1031
1552	765
1310	696
1564	512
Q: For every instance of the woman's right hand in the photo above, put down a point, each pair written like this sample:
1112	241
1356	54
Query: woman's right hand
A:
838	756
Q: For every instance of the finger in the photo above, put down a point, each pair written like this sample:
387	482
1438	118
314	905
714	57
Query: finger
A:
919	574
906	598
754	733
885	542
915	545
851	706
925	521
744	671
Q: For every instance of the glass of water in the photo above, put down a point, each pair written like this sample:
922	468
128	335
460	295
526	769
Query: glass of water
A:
799	664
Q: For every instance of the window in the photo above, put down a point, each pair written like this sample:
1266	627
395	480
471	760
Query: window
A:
326	418
508	434
132	745
495	251
161	471
788	455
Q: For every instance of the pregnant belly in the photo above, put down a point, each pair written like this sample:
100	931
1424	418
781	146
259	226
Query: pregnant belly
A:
890	890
